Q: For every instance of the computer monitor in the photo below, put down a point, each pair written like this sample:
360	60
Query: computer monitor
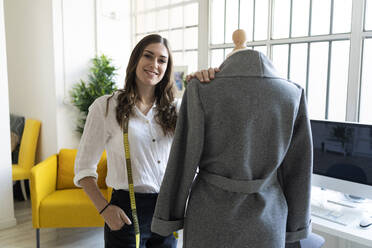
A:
343	157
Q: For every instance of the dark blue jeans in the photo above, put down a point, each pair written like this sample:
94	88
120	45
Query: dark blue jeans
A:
125	237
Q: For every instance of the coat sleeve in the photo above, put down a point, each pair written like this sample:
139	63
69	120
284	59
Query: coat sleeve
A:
295	176
183	161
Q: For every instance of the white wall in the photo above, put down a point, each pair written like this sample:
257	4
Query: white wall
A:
114	33
88	28
51	44
6	190
75	22
31	66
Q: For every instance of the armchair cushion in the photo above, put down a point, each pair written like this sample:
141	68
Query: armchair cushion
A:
52	207
65	173
69	208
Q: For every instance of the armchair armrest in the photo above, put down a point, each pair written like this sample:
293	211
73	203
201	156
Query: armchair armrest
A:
42	183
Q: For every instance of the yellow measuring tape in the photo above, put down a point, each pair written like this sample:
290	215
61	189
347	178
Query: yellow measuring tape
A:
130	184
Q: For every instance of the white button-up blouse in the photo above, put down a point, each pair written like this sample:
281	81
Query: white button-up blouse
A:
149	147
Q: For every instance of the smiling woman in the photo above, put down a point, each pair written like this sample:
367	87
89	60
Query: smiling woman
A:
145	114
135	126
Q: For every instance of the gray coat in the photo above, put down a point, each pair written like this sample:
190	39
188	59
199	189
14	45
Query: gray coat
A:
241	160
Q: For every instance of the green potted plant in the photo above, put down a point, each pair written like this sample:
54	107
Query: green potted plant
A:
101	81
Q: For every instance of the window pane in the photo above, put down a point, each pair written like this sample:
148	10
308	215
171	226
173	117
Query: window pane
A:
216	57
149	22
246	17
191	60
320	17
317	88
281	12
162	19
140	5
280	59
176	1
192	14
338	81
161	3
217	21
342	16
260	29
298	64
368	21
191	38
165	34
232	8
300	18
149	4
365	115
176	17
176	39
177	58
228	51
140	19
262	49
139	37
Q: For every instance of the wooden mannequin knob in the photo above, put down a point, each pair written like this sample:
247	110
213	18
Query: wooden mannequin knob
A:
239	39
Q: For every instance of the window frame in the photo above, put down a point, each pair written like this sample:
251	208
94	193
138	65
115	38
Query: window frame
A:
356	37
135	13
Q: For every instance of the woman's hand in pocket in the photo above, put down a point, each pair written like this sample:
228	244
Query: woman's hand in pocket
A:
115	218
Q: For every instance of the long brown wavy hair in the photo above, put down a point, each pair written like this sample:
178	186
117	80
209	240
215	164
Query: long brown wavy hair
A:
164	91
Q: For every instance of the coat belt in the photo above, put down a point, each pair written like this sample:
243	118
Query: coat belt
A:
238	186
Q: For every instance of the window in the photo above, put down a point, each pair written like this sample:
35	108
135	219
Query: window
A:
315	43
227	16
366	79
169	19
366	85
368	17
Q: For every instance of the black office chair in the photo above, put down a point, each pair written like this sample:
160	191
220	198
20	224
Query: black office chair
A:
313	241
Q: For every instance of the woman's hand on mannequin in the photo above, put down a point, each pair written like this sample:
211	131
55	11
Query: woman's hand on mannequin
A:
115	217
203	75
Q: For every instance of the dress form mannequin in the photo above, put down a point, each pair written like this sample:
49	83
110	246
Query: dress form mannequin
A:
239	39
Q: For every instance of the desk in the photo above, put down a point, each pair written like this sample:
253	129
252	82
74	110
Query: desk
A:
350	235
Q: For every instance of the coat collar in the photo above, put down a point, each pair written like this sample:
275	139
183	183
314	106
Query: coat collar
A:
247	63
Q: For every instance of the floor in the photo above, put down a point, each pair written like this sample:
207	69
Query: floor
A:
24	236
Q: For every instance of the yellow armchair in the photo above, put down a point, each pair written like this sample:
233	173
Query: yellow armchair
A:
27	152
56	202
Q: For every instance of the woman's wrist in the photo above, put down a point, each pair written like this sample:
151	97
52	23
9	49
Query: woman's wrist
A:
104	208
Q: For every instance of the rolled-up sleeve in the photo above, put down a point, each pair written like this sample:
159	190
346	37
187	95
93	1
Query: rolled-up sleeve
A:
91	144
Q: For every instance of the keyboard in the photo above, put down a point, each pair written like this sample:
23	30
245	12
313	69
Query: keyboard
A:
340	217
